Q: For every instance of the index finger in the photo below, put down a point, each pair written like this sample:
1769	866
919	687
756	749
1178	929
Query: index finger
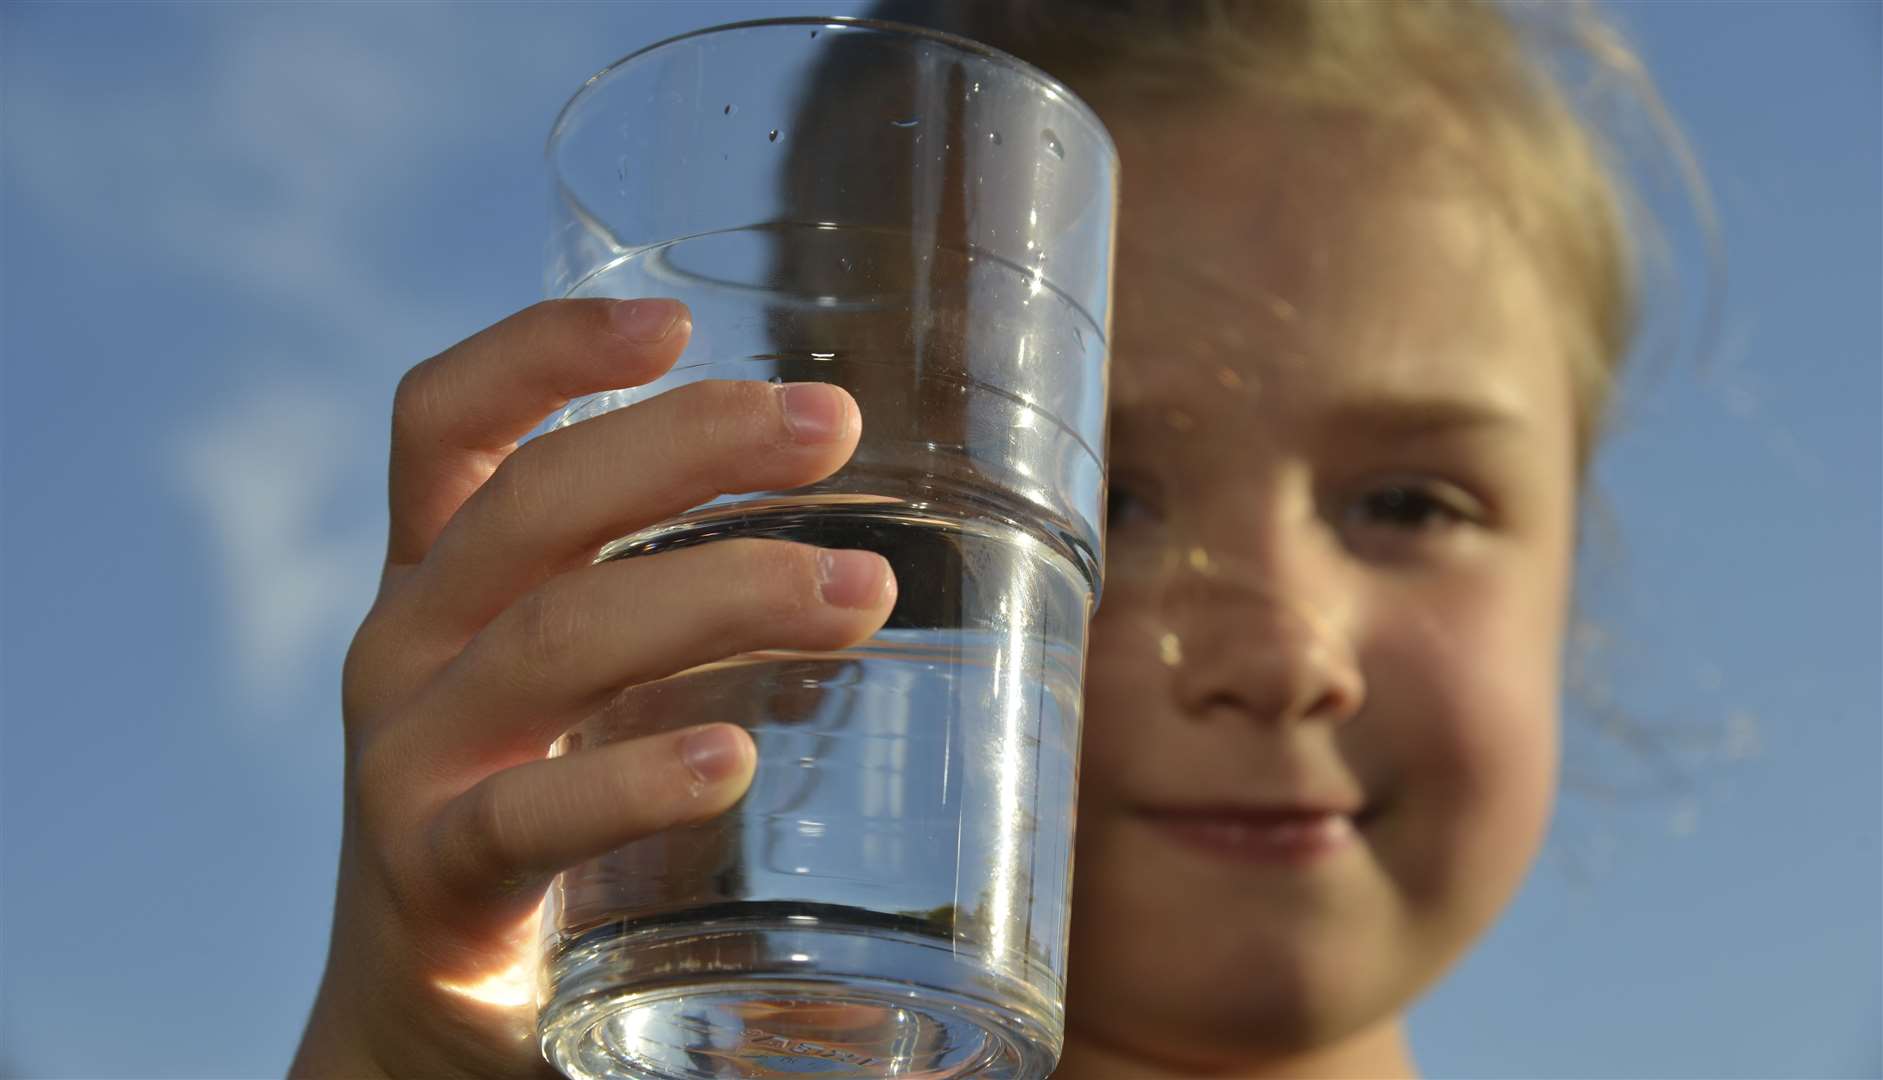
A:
459	414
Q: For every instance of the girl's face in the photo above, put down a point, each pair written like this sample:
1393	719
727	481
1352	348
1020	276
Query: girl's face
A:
1320	739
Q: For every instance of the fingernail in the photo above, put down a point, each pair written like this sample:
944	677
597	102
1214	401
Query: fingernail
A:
814	412
645	321
852	579
712	753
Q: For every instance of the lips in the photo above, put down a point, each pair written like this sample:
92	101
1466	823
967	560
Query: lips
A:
1291	834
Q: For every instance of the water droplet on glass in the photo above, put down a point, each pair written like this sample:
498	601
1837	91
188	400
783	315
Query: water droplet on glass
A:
994	137
909	123
1201	562
977	88
776	380
844	261
1052	144
1170	650
774	135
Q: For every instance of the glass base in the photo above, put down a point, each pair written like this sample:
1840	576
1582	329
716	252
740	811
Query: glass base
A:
777	999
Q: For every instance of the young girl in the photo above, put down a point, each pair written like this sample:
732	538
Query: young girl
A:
1372	292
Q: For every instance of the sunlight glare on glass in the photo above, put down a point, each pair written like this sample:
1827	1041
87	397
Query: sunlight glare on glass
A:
511	987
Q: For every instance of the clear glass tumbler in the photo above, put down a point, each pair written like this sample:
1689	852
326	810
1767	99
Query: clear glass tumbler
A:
928	223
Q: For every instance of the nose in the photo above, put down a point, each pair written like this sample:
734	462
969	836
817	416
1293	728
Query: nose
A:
1251	644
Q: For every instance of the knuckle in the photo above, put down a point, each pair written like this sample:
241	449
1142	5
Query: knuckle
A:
543	629
381	775
781	577
687	432
696	409
490	831
485	844
549	311
361	676
520	492
547	321
415	400
727	410
763	407
715	427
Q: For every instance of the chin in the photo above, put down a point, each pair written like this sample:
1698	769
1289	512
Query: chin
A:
1245	1008
1155	965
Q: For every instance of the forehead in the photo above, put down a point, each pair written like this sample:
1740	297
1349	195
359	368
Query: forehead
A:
1317	257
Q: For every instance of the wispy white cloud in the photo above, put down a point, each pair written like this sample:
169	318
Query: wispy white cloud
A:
262	172
294	579
281	167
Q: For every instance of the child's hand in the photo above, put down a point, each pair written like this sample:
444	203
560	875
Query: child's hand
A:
492	633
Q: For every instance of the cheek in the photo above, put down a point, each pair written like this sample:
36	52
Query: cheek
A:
1125	690
1463	707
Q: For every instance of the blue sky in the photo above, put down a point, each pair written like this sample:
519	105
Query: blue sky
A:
226	229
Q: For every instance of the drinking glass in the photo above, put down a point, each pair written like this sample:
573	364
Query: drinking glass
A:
928	223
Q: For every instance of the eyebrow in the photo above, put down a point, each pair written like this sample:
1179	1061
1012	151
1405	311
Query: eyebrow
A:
1415	417
1389	416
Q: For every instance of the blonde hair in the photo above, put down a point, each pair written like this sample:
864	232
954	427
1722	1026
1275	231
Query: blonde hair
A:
1469	69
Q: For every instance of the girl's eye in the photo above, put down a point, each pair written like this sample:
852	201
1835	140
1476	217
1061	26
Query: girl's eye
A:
1123	506
1412	508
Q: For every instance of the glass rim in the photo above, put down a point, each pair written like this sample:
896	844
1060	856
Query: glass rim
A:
954	41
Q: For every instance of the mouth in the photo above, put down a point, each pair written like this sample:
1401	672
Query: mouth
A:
1289	835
